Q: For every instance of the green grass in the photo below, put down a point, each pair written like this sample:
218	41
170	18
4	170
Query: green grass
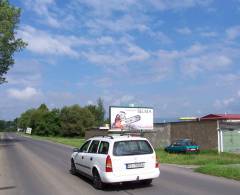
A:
210	162
203	158
230	171
75	142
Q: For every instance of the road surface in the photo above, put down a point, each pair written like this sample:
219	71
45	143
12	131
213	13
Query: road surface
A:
32	167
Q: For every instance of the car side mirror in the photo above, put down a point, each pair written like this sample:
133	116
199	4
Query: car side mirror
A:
76	150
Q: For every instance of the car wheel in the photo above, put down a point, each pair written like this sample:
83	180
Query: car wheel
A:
97	183
73	169
147	182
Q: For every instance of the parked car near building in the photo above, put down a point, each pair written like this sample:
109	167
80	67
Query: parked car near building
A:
116	159
183	146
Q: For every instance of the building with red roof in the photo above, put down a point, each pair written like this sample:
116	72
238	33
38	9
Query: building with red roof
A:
221	117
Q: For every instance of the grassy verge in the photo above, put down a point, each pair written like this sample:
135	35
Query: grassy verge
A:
75	142
210	162
203	158
227	171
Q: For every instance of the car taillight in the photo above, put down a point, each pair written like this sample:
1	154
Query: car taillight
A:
157	164
108	164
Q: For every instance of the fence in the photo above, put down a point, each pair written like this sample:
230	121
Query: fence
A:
229	136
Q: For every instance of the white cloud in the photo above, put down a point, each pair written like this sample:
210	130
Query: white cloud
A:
25	73
137	53
107	7
227	79
105	40
45	43
42	9
123	100
209	34
24	94
184	31
39	6
104	82
197	59
228	101
121	53
90	102
225	103
160	36
103	50
233	32
176	4
123	24
207	62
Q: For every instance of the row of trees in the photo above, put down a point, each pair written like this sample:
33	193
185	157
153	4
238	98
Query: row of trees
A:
68	121
7	125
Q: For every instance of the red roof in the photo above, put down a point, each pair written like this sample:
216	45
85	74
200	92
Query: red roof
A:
221	117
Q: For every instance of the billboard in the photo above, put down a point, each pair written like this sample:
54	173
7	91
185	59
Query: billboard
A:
29	130
131	118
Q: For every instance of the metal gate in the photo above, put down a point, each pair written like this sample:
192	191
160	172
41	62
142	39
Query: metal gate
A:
229	136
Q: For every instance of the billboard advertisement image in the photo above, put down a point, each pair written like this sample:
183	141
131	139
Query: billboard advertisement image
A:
131	118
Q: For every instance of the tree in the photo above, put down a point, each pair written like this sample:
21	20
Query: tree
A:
53	122
101	111
2	125
9	44
75	120
41	120
43	108
38	120
98	112
7	125
25	120
69	121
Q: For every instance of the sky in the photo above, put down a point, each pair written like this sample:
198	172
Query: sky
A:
181	57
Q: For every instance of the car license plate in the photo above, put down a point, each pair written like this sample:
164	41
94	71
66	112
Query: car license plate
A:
192	149
135	165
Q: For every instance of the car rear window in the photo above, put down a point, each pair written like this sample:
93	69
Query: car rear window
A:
94	146
103	148
133	147
183	143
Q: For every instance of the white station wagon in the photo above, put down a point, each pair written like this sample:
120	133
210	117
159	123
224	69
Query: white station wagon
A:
116	159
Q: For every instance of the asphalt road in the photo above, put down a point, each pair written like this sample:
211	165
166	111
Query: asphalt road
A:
31	167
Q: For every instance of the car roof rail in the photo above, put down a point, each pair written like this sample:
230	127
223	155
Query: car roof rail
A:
131	133
107	136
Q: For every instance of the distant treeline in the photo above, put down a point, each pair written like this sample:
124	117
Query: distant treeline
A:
68	121
7	125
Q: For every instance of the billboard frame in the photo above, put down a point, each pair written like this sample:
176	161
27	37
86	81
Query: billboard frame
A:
143	107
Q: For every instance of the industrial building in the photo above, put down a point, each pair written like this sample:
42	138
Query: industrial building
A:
213	131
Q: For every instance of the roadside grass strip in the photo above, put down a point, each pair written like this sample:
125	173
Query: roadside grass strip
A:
75	142
209	161
227	171
203	158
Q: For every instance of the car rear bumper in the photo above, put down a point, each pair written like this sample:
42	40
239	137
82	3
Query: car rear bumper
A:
112	178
